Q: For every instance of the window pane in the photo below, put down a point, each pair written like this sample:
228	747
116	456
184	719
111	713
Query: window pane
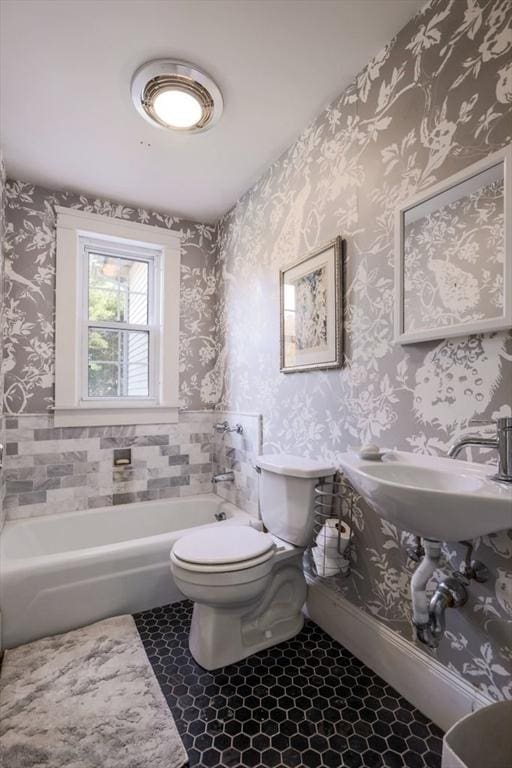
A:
118	363
118	289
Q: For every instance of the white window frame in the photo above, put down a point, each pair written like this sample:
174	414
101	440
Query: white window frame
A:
73	407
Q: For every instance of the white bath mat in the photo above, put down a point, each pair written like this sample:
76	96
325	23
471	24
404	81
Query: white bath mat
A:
85	699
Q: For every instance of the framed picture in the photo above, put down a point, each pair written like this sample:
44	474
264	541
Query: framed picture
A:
311	310
453	262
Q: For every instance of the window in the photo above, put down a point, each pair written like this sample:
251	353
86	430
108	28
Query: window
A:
117	315
120	319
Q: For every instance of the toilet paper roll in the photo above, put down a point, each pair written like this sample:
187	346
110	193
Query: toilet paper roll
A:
331	560
333	536
329	529
325	566
329	554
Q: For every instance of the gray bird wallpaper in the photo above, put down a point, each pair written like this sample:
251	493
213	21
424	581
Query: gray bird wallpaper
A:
435	100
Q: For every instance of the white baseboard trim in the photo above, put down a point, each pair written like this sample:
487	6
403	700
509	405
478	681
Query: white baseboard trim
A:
442	695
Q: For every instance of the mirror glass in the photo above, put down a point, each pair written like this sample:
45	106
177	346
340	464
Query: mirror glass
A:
454	255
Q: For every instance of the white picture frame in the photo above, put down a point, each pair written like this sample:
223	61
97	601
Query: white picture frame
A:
500	322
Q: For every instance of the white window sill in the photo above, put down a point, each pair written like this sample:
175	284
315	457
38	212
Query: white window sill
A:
106	416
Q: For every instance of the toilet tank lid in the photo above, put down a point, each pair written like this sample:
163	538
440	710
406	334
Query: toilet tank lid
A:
294	466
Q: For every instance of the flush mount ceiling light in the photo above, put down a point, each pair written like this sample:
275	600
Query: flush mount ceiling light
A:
176	95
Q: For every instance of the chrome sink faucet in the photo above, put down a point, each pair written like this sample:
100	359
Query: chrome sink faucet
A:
502	443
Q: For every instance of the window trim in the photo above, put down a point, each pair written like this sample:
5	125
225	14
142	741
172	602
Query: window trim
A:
70	408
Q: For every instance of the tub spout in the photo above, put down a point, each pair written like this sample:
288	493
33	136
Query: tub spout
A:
224	477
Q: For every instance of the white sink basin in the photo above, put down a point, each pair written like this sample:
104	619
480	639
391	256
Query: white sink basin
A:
437	498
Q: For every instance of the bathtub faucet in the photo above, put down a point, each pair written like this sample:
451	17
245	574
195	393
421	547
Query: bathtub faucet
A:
224	477
223	427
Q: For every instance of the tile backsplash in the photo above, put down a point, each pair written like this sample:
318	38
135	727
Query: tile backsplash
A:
52	469
231	451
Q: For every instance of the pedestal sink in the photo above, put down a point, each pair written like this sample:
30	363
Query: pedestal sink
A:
436	498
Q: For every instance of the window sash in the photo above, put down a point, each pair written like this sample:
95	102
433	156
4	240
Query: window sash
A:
136	255
126	368
129	253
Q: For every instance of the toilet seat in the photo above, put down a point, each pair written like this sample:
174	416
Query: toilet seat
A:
228	548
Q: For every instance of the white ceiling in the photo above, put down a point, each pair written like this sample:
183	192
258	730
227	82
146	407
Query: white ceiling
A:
67	120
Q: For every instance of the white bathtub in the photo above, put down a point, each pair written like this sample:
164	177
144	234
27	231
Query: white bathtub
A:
64	571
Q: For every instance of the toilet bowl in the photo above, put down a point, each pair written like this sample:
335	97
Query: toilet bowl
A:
248	587
248	590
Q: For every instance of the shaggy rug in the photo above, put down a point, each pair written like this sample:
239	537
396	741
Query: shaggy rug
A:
85	699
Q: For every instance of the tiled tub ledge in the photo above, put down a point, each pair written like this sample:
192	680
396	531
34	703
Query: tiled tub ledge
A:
61	469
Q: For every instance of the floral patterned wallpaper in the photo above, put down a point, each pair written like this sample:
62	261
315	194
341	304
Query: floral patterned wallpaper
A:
2	231
2	425
454	261
437	99
29	244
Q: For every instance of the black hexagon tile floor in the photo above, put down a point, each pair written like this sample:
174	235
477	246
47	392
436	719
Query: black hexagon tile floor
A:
307	702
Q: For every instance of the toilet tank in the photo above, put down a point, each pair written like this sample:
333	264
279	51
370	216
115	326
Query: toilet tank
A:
287	495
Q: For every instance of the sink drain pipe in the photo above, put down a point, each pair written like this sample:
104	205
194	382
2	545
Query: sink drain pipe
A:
419	581
429	616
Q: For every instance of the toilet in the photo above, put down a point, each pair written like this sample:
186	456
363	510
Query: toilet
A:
248	587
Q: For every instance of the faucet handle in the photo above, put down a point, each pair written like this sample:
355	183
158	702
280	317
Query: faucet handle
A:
485	423
502	422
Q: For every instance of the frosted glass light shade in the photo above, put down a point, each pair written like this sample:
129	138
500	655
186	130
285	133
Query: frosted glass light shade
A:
178	109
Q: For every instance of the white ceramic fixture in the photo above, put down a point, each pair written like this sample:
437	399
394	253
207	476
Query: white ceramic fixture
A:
483	738
248	587
63	571
437	498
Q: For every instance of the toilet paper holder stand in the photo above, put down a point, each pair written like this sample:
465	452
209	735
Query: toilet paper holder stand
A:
334	499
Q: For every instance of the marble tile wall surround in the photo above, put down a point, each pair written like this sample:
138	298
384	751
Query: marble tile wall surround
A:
52	469
231	451
435	100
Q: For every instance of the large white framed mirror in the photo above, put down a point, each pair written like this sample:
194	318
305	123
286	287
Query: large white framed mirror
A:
453	261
